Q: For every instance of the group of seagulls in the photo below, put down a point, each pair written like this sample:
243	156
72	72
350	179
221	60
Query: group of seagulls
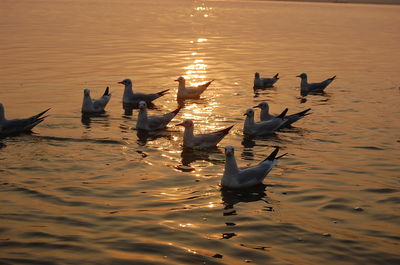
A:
233	176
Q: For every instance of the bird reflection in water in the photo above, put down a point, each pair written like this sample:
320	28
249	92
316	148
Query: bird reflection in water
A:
250	141
325	97
230	197
190	156
143	136
100	118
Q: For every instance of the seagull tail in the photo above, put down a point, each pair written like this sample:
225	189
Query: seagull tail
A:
162	93
332	78
37	116
34	123
207	84
41	119
279	157
272	156
276	76
106	92
177	110
303	113
282	115
225	130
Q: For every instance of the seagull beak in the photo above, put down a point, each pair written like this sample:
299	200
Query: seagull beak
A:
179	124
256	106
121	82
176	80
298	76
245	114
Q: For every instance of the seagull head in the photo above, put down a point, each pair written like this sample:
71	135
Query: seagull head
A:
126	82
186	124
229	150
302	76
180	79
257	75
262	105
142	105
249	113
86	92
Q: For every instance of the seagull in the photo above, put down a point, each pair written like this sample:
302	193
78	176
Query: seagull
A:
289	119
90	105
264	82
134	98
306	87
17	126
190	92
153	123
201	140
245	177
263	127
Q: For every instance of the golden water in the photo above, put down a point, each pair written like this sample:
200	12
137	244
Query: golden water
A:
88	191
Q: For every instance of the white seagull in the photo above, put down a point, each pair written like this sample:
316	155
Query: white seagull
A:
206	140
153	123
289	119
263	127
90	105
134	98
243	177
306	87
17	126
264	82
185	92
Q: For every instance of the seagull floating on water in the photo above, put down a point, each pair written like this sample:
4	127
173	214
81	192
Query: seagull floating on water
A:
134	98
153	123
185	92
201	140
263	127
90	105
17	126
244	177
260	83
306	87
289	119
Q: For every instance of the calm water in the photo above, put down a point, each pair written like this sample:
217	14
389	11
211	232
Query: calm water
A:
89	191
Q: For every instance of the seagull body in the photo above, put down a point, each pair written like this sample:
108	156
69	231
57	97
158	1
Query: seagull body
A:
134	98
207	140
90	105
289	119
17	126
244	177
153	123
264	82
263	127
185	92
306	87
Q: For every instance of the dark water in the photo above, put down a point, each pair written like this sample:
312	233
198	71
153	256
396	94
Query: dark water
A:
90	191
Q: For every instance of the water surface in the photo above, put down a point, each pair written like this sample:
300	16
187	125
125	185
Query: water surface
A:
90	191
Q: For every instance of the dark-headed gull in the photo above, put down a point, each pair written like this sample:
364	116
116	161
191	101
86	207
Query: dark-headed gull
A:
17	126
134	98
260	83
206	140
289	119
90	105
263	127
306	87
185	92
153	123
243	177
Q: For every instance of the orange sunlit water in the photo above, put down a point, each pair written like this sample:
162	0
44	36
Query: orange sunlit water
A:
91	190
